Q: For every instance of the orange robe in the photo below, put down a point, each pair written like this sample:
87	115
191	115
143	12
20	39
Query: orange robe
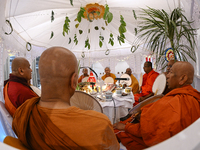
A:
72	128
162	119
111	75
134	85
148	80
81	77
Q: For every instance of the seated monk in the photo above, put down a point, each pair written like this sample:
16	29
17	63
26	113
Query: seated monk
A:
17	88
134	85
148	80
108	74
169	65
85	74
50	122
167	116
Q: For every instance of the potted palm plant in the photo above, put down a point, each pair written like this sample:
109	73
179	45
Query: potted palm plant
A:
161	30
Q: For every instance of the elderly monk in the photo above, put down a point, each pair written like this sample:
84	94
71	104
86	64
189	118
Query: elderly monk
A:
50	122
85	74
134	85
167	116
169	65
108	74
17	88
148	80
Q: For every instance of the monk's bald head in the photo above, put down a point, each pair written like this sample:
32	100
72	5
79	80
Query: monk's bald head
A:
21	68
19	62
57	63
181	74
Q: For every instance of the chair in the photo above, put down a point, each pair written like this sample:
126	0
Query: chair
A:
136	109
85	101
187	139
14	142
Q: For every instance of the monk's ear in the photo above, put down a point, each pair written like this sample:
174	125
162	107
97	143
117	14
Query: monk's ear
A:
74	81
183	79
21	71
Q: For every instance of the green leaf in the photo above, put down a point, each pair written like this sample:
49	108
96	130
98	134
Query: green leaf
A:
52	16
106	11
96	28
98	13
52	34
88	30
70	40
134	15
77	25
66	26
135	31
103	28
110	17
71	2
106	22
80	31
100	43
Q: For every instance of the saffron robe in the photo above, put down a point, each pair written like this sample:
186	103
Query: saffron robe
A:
162	119
111	75
71	128
81	77
134	85
16	92
147	84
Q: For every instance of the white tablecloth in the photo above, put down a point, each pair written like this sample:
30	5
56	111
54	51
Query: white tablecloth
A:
122	104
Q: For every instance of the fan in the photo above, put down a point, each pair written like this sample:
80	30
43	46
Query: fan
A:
85	101
85	79
36	90
127	82
109	80
159	84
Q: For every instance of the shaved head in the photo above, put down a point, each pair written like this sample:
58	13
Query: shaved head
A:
58	69
19	62
21	68
180	74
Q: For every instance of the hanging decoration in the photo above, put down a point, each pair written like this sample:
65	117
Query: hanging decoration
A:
83	55
8	22
28	46
107	52
91	12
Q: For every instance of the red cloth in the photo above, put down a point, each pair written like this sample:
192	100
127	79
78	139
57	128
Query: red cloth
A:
18	90
148	80
162	119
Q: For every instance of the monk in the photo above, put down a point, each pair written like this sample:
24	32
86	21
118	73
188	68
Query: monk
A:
169	65
108	74
50	122
167	116
148	80
85	74
134	85
17	88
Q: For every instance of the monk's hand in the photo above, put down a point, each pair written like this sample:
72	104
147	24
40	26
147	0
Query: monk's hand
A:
119	126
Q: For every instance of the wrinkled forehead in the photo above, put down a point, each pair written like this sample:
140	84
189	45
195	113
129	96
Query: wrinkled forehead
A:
107	69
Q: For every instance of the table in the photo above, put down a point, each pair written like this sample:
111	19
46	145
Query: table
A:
121	108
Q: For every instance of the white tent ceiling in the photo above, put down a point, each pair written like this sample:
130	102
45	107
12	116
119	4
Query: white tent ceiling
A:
31	20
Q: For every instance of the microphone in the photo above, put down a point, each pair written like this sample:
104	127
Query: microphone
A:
122	79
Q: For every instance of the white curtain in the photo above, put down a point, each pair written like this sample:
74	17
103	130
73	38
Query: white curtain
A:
34	73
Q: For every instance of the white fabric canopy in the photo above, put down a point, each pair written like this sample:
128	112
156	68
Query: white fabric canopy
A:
31	20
